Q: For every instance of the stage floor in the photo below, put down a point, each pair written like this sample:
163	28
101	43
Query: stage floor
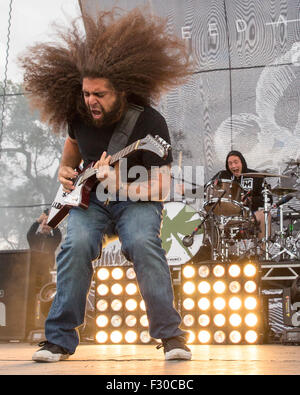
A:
91	359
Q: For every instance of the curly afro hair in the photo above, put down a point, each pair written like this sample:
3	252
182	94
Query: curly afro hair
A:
133	50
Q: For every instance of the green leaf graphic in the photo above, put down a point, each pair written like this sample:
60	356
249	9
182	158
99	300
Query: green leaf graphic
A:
182	224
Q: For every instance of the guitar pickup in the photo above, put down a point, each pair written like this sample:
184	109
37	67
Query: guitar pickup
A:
73	200
57	205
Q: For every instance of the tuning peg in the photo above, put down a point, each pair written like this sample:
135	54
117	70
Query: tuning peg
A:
162	142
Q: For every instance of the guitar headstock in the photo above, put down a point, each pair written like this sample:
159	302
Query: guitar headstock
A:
156	144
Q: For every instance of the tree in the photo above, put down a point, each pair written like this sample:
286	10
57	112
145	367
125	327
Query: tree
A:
30	155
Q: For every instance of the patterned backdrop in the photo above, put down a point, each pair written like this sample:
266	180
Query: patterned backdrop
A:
245	91
244	94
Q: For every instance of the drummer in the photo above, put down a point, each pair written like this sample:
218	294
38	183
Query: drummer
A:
253	186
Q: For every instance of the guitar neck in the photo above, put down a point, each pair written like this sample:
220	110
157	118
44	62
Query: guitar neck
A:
124	152
114	159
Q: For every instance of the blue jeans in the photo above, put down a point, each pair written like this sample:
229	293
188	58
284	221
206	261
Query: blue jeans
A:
138	226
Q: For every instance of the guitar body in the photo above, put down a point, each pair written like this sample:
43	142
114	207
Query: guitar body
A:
79	197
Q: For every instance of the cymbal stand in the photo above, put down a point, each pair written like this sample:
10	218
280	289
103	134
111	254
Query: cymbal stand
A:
214	252
224	245
265	193
282	235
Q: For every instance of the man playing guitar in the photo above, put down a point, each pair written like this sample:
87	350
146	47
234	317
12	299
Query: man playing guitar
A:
87	84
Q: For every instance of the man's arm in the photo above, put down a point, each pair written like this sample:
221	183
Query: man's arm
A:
155	188
71	159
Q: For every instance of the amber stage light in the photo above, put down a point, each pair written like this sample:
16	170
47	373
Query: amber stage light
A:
220	303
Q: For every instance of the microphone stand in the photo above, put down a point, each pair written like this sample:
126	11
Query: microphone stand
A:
189	239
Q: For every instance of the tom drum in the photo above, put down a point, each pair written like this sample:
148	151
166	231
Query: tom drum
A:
230	203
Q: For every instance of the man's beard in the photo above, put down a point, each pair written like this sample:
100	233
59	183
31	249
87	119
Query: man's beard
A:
112	116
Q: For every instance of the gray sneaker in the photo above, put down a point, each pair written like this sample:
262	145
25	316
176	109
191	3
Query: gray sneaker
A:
50	353
175	348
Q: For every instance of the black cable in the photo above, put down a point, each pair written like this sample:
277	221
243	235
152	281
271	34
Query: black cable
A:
230	76
5	74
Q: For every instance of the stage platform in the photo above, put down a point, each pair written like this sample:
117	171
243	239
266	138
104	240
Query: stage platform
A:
127	360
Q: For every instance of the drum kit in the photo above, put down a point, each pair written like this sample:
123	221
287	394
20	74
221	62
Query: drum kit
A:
228	227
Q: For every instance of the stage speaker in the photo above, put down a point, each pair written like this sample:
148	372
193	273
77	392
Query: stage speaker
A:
22	275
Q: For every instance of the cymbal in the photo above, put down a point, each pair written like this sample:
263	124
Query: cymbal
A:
292	216
280	191
263	175
288	215
293	162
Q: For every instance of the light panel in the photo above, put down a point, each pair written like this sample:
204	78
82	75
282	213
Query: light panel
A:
220	303
120	310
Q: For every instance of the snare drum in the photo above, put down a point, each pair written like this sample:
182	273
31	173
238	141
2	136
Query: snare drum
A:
180	220
231	202
245	217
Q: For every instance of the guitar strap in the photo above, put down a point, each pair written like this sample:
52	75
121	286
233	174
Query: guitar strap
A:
124	129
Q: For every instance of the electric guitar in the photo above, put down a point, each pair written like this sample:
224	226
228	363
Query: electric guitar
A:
86	179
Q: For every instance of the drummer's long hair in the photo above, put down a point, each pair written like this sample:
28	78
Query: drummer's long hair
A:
132	50
243	160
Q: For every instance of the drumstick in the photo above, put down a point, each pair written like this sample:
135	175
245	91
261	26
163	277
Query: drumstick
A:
180	173
180	160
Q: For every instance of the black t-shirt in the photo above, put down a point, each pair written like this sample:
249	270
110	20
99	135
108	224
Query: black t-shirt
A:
93	141
47	243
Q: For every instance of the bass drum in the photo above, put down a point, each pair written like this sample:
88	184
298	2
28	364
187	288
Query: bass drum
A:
180	220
